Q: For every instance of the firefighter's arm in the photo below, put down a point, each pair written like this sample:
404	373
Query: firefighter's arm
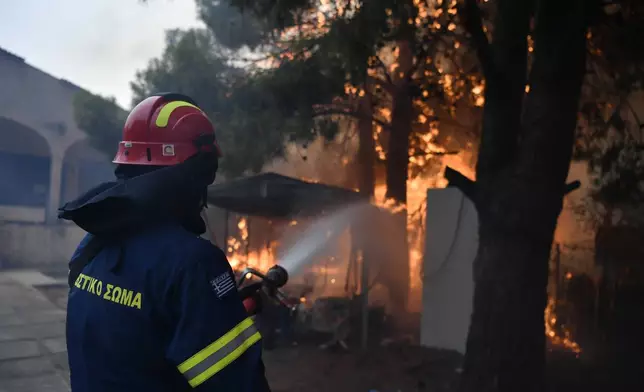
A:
215	344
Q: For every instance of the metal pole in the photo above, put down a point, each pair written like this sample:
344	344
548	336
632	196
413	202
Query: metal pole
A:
364	295
352	269
247	238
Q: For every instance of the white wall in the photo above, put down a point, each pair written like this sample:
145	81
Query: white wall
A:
36	245
450	248
43	103
22	214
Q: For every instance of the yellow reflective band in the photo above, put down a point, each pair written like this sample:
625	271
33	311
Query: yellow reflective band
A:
225	361
212	359
166	111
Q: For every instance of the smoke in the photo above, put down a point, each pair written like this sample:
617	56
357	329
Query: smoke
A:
571	227
331	163
321	160
321	249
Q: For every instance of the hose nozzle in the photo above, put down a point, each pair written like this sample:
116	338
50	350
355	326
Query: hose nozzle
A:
277	276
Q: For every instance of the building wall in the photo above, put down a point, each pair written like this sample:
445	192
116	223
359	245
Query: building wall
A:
36	245
45	160
25	179
43	104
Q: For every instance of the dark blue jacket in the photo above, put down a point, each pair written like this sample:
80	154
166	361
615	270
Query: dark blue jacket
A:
161	313
157	308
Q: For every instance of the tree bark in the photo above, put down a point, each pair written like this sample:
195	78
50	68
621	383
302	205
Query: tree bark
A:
505	66
398	148
520	196
401	120
366	146
397	175
397	275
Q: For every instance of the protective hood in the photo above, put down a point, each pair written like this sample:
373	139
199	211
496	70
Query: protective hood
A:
160	195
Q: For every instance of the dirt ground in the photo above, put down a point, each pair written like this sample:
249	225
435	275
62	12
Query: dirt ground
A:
416	369
384	369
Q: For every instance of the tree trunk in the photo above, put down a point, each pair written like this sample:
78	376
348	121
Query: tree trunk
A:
397	275
505	78
401	120
366	147
519	200
397	175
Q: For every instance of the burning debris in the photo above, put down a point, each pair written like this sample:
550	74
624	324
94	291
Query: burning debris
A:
556	339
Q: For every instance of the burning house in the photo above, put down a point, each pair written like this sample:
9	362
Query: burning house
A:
324	252
269	217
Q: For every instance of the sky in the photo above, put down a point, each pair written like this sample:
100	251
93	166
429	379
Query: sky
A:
96	44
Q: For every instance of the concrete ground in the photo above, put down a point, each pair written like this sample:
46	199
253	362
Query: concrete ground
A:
33	356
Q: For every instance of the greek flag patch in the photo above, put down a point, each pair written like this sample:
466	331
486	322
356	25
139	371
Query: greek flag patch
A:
223	284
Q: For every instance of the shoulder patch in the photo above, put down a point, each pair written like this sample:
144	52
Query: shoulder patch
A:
223	284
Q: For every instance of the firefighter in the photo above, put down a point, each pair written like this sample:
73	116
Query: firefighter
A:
152	306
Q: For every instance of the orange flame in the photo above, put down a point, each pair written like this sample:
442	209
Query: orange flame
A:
550	322
240	257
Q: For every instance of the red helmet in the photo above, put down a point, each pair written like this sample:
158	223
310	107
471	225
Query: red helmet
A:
164	130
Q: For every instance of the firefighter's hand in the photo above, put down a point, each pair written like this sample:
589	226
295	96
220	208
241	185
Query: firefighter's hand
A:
251	297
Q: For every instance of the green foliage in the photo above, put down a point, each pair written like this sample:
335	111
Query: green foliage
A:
621	174
275	15
254	112
232	28
192	63
610	135
101	119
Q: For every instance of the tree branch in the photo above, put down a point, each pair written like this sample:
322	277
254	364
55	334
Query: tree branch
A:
457	180
419	60
336	111
382	66
386	85
634	113
436	154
